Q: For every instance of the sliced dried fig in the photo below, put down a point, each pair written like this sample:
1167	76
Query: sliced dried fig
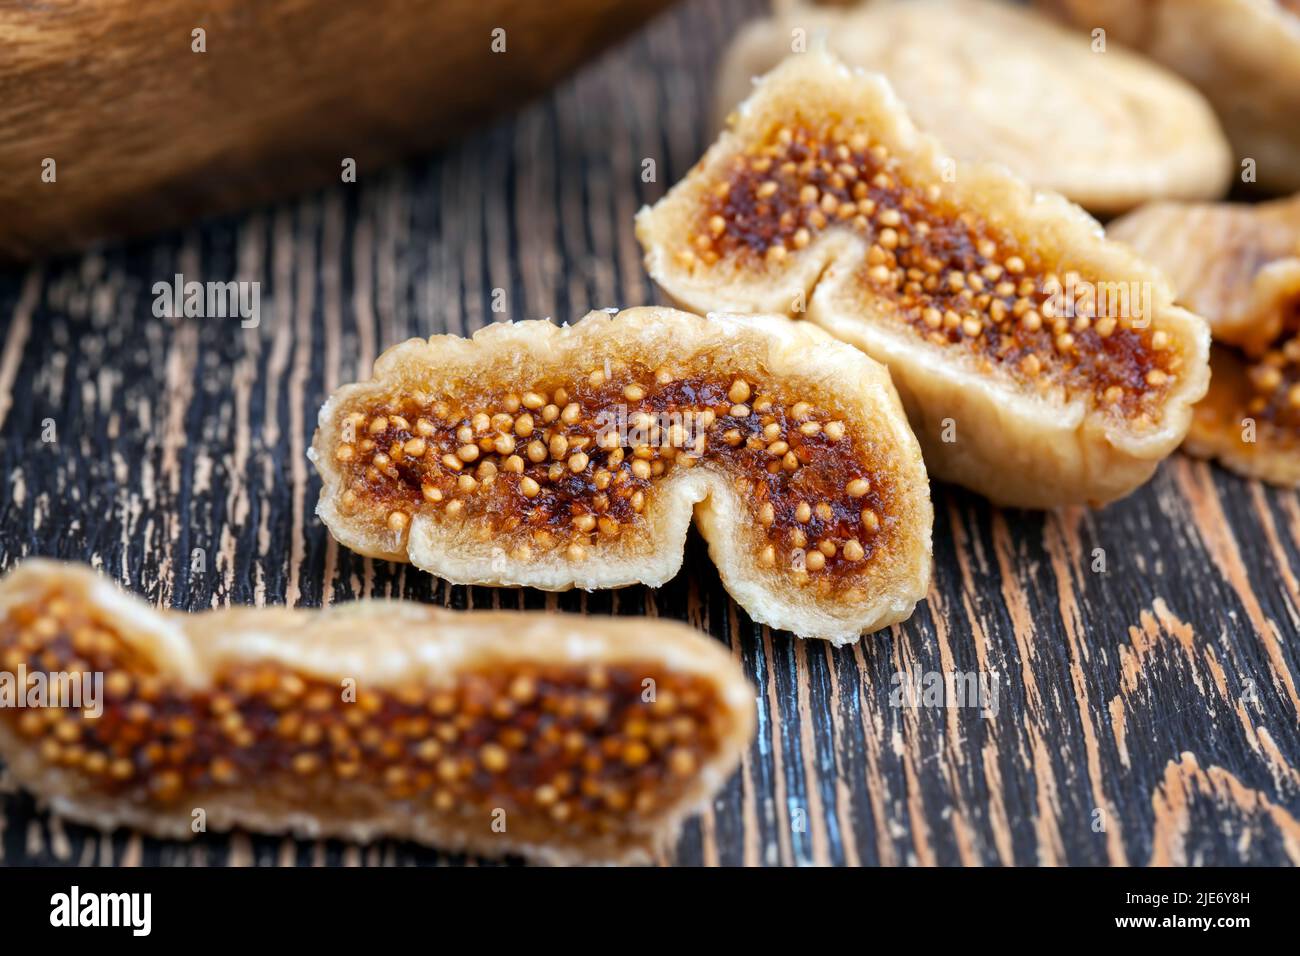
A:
590	738
1246	421
1235	264
999	83
558	457
1244	55
1239	266
1040	364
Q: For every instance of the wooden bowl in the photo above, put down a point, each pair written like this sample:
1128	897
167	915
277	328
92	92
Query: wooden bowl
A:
146	131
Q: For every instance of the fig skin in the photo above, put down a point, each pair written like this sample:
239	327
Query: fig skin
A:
1243	55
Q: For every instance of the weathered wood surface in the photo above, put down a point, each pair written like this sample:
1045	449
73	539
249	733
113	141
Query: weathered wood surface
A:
1145	713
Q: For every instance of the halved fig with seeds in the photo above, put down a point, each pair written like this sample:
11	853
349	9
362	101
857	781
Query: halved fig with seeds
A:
1244	55
1040	364
558	737
1004	84
1239	266
1236	264
558	457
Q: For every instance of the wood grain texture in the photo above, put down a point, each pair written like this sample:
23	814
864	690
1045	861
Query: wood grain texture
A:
1147	713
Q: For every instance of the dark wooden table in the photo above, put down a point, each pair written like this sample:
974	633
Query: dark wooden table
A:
1147	712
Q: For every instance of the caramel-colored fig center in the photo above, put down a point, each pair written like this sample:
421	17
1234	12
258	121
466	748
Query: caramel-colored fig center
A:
560	466
957	281
1275	378
578	747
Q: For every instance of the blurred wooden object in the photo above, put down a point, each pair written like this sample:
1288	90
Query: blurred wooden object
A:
1244	55
146	133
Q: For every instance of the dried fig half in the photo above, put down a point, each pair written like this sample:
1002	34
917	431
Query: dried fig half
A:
559	457
1004	84
1239	266
1250	418
1235	264
366	720
1244	55
1039	363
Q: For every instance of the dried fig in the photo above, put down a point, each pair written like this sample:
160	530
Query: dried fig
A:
1039	363
367	720
573	457
1239	266
1244	55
